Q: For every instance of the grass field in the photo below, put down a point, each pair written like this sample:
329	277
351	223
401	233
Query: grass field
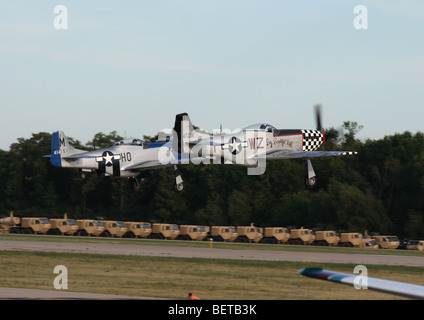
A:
169	277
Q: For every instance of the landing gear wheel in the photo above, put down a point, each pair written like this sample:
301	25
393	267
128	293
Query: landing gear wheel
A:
311	182
178	187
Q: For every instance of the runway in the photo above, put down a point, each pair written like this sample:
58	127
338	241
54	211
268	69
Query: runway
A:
190	252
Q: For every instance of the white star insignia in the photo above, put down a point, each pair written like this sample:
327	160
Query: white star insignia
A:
108	158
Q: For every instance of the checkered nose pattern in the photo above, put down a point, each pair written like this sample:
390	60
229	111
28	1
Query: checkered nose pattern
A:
312	140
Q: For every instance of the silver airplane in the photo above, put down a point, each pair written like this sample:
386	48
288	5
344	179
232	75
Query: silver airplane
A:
126	159
253	146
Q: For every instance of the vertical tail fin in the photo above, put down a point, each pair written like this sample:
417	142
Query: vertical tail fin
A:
55	158
185	132
60	148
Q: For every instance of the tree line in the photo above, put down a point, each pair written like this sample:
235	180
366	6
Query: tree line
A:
380	190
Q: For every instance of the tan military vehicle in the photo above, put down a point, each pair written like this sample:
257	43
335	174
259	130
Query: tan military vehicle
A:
31	226
387	242
138	229
113	229
351	239
301	236
9	222
63	226
275	235
223	233
249	233
192	232
89	227
164	231
369	244
326	238
415	245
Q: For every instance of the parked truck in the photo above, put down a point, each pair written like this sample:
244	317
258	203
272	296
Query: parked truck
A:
387	242
415	245
113	229
63	226
275	235
223	233
164	231
31	226
326	238
8	222
249	234
192	232
89	227
351	239
138	229
301	236
369	243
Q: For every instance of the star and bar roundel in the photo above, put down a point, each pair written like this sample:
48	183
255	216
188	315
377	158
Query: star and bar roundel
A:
107	160
234	145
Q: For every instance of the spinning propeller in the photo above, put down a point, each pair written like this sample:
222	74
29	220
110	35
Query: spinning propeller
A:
318	113
318	116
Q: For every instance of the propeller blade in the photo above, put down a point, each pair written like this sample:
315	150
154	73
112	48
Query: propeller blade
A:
318	116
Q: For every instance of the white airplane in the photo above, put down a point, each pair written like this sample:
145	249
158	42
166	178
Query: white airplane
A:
126	158
253	146
394	287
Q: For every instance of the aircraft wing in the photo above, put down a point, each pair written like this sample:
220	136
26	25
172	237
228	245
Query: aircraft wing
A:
151	164
79	156
73	156
289	154
387	286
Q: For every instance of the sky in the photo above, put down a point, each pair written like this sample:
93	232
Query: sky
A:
131	66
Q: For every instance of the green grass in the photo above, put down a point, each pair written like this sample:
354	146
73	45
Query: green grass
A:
174	277
170	277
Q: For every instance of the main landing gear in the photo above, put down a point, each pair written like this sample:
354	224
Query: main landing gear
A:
178	185
135	182
311	178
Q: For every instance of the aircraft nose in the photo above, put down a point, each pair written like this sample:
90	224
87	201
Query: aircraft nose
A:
324	136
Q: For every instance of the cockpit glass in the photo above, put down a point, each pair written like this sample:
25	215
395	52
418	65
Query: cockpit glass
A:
261	126
129	142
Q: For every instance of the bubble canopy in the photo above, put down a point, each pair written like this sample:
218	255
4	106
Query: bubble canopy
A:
261	126
130	142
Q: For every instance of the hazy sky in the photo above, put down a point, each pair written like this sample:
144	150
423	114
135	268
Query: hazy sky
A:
131	66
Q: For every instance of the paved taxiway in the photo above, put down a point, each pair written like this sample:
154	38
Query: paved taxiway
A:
189	252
